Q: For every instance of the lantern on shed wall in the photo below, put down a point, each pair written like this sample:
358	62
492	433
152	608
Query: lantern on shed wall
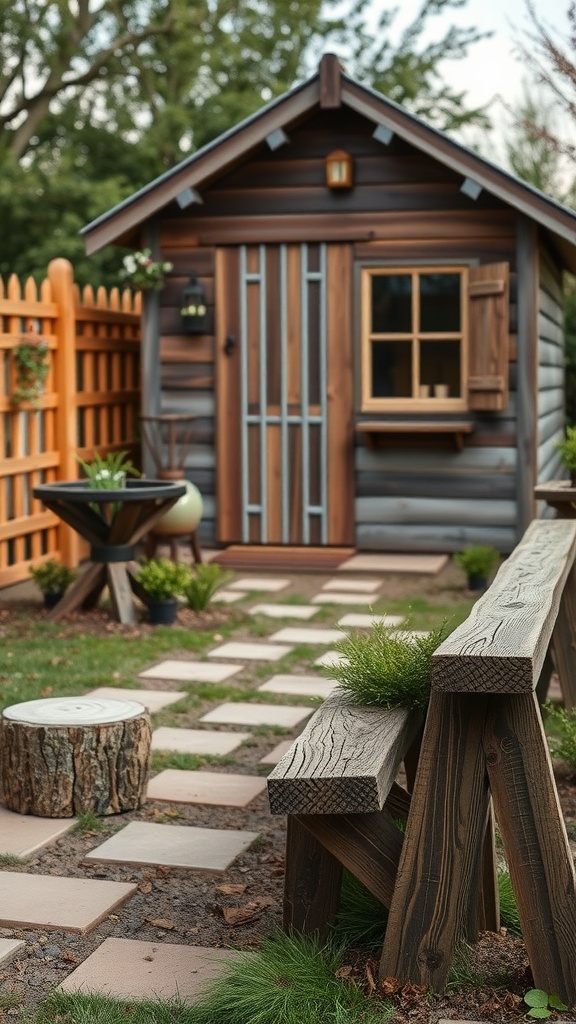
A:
339	166
193	308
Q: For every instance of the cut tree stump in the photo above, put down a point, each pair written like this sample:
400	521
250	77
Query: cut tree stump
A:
70	755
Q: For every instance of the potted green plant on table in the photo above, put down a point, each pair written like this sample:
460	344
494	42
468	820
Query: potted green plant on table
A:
477	561
567	450
52	579
162	582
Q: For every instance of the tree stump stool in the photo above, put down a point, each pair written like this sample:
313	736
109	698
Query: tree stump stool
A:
69	755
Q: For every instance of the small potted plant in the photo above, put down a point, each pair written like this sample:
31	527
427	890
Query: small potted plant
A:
52	579
31	361
567	450
163	582
477	561
145	273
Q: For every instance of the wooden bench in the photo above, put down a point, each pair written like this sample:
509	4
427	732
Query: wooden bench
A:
483	745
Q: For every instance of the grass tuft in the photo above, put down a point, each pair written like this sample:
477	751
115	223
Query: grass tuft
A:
386	668
509	917
88	822
361	918
561	729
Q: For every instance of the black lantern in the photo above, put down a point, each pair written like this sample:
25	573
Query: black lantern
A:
193	309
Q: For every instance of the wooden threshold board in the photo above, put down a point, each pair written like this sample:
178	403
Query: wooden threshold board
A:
287	559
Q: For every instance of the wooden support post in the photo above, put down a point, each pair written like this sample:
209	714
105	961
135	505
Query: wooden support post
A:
312	883
489	903
435	899
535	841
564	641
61	277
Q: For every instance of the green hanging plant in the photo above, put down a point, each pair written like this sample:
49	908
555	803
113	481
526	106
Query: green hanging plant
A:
32	365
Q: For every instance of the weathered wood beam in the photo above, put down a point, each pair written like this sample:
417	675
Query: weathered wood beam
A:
312	883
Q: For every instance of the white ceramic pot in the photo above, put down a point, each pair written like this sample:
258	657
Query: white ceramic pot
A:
184	516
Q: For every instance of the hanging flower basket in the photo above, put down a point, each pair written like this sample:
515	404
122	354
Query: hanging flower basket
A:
141	271
31	361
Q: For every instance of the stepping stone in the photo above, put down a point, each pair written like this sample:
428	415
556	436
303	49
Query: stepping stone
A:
153	700
216	789
331	658
178	846
197	741
228	596
367	621
22	834
251	652
329	597
256	583
354	586
285	611
132	969
9	949
191	671
309	686
423	564
277	753
53	903
243	713
302	635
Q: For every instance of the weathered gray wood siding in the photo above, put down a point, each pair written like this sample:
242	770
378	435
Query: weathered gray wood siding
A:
550	394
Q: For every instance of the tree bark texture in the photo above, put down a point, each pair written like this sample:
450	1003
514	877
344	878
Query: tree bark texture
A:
60	771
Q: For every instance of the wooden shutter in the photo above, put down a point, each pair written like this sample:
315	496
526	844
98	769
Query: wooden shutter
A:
489	339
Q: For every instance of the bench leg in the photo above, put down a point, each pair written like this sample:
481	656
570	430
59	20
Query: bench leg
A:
564	641
436	895
535	841
313	879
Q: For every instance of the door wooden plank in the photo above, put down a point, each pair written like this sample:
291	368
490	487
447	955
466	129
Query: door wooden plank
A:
274	484
228	454
340	465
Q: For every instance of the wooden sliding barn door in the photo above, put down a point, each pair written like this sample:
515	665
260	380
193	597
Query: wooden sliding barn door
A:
284	395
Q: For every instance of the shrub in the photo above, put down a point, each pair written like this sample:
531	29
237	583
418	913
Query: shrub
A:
387	667
477	560
52	577
567	450
562	741
202	584
162	579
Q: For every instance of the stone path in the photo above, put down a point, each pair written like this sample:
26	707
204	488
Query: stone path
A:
131	968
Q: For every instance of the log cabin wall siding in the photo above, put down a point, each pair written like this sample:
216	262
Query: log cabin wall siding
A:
550	395
410	493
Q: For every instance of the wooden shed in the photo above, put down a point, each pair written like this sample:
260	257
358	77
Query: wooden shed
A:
381	366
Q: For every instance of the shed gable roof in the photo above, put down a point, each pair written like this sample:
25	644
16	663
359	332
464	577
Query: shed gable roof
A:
329	88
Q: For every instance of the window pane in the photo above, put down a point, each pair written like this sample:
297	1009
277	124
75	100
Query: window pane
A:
440	302
391	303
440	365
392	369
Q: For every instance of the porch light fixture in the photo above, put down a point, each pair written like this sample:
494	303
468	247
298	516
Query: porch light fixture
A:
339	167
193	308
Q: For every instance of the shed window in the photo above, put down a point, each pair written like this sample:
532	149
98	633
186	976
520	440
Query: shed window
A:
414	338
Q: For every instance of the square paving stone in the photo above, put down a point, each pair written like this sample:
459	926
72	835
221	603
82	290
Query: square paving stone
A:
248	583
197	741
132	969
228	596
191	671
51	902
354	586
423	564
331	658
331	597
309	686
251	652
215	789
153	700
9	949
179	846
23	834
285	611
244	713
277	753
367	621
305	635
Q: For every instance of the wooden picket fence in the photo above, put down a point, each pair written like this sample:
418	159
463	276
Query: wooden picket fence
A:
90	404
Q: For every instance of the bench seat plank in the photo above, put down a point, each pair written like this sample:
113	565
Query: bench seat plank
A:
344	762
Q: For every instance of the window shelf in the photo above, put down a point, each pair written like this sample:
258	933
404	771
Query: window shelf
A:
373	429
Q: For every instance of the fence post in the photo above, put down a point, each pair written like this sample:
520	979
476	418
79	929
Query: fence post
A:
61	277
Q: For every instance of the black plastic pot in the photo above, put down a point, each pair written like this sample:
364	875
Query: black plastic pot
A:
477	583
51	600
162	613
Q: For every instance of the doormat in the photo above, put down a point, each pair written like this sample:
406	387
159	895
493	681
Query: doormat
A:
286	559
424	565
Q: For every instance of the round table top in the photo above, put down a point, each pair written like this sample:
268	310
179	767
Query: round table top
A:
80	491
73	711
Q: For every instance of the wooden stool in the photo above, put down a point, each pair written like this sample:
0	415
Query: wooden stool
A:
69	755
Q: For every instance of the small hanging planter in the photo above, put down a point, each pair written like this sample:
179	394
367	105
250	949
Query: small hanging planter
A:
31	362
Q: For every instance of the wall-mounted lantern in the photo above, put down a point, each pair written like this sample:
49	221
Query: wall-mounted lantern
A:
339	166
193	308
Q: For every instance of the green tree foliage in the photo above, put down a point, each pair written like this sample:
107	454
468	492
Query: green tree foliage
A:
98	98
